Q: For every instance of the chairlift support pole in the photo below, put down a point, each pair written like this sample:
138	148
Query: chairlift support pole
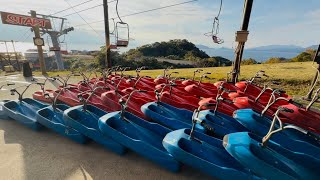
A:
241	38
36	31
317	60
107	61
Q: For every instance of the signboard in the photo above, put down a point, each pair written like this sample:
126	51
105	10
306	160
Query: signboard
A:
22	20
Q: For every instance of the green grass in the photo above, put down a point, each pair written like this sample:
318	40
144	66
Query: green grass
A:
295	78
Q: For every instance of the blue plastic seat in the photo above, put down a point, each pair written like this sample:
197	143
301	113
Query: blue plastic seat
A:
168	116
274	161
141	136
206	154
53	119
25	112
86	122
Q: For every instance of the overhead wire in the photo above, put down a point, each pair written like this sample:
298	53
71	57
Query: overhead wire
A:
86	9
141	12
118	11
83	18
72	7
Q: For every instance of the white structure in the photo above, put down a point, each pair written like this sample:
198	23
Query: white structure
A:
32	55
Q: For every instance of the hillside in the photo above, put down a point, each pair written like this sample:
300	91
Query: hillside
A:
174	49
261	53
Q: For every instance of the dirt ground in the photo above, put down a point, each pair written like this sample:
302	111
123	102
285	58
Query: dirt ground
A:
30	155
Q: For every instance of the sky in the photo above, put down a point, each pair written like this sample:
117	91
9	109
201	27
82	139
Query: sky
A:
273	22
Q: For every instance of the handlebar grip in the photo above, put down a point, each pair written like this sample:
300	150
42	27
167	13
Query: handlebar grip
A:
284	109
143	91
275	82
232	91
209	104
296	103
228	101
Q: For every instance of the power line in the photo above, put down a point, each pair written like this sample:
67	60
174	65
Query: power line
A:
141	12
30	33
83	10
82	18
72	7
87	9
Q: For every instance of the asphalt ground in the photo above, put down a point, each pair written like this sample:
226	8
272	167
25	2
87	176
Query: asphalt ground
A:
45	155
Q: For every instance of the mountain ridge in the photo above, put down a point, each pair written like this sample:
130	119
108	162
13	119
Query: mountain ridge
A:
260	53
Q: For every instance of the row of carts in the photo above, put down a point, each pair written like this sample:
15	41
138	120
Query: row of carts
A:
244	130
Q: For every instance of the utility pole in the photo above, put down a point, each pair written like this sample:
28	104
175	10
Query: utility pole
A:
107	61
241	38
40	50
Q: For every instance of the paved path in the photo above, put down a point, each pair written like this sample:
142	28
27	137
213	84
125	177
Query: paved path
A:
44	155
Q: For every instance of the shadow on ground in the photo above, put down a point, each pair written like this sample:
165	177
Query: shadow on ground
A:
46	155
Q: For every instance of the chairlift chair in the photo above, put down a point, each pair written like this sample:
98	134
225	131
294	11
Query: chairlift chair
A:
122	40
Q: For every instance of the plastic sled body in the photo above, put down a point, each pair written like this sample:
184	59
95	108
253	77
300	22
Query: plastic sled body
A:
273	161
201	91
260	125
143	137
175	90
39	95
186	102
24	112
309	120
169	116
206	154
53	119
86	122
111	99
68	96
222	123
3	114
224	107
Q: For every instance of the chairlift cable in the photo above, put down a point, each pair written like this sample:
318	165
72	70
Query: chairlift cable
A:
83	18
86	9
72	6
118	11
142	12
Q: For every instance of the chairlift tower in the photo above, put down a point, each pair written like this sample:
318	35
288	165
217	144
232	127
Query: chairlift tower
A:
54	35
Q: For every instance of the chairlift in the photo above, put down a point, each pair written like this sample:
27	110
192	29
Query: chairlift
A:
217	40
113	46
122	37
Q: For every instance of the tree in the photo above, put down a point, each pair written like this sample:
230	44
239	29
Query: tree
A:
276	60
303	57
249	61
